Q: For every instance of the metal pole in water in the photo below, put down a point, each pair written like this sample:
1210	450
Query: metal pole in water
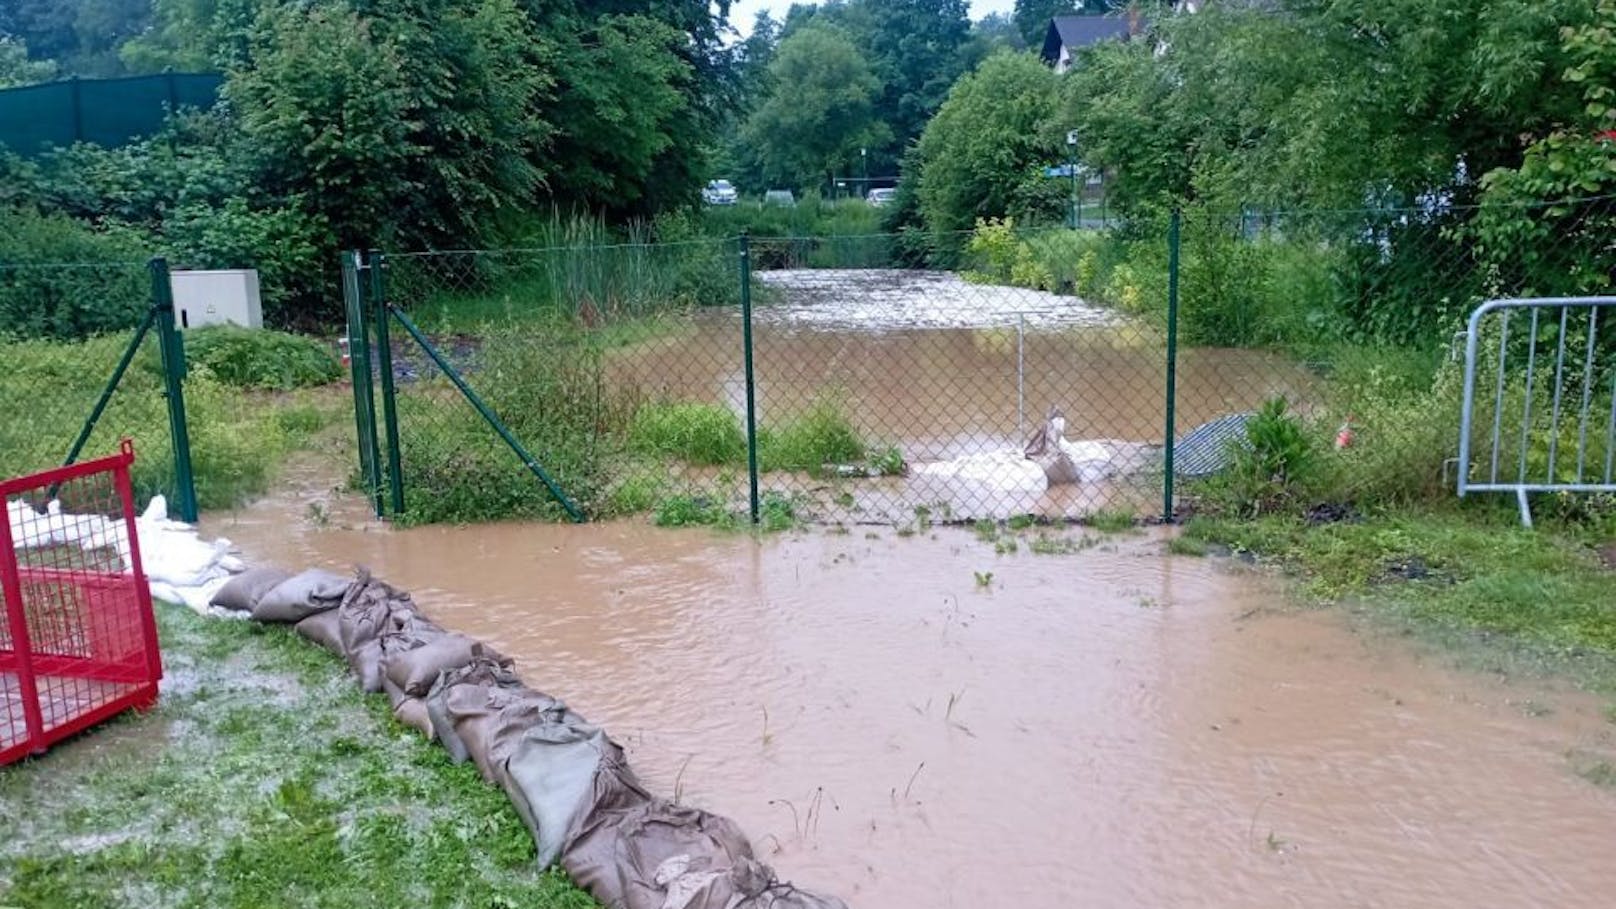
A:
1172	364
1021	376
751	378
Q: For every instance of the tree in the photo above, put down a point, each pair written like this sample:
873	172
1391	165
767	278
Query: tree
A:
623	97
17	69
406	123
984	153
821	110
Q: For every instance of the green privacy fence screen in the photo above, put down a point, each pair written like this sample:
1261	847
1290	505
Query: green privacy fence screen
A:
108	112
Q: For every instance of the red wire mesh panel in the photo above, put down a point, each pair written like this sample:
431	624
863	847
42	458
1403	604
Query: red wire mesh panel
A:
78	640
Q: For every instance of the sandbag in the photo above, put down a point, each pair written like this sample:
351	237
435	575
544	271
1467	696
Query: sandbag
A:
412	713
301	596
395	694
242	592
659	855
549	776
323	628
416	669
480	673
367	609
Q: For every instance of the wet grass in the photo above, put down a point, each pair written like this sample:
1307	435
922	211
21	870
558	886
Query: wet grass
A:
263	778
704	434
238	436
1471	574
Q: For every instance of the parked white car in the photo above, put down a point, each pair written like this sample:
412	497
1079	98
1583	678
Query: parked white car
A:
880	197
720	192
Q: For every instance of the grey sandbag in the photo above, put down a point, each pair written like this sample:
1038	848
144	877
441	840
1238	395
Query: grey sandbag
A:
415	669
550	775
243	591
480	673
491	729
323	628
658	855
301	596
412	713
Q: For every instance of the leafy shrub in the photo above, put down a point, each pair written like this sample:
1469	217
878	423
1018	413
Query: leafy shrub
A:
704	434
261	358
61	279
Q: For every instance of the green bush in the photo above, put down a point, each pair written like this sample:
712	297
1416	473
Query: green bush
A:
261	358
61	279
705	434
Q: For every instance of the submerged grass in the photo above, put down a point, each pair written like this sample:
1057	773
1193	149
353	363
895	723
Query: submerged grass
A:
1468	572
263	778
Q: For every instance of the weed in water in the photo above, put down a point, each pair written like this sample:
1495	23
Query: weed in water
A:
986	531
1044	544
691	511
984	578
1113	520
822	437
703	434
1006	546
776	512
888	462
1186	546
1021	522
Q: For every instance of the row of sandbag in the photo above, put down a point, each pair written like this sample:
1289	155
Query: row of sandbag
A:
568	780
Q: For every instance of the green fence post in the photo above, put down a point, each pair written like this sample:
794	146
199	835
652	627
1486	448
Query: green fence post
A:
493	420
172	347
751	378
359	373
1171	434
384	363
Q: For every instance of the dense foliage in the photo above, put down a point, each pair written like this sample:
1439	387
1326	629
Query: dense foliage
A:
349	123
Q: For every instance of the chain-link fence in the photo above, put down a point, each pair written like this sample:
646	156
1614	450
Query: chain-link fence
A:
1242	358
86	366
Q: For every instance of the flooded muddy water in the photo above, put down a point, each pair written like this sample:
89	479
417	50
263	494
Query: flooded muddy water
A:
1113	727
943	370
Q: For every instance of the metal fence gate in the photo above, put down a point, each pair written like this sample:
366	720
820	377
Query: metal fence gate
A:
1539	413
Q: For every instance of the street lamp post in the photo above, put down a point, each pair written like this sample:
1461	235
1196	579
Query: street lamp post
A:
864	165
1071	167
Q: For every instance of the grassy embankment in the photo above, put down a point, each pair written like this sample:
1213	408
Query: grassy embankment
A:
264	777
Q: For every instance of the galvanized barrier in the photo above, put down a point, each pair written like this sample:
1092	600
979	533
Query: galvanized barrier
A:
1551	364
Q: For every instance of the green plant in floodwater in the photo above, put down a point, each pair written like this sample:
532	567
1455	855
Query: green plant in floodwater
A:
986	530
844	499
1113	520
685	510
821	437
776	512
1006	546
1186	546
984	578
1045	544
922	518
704	434
888	462
1021	522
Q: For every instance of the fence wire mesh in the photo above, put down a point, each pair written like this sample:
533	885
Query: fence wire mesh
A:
1022	372
80	322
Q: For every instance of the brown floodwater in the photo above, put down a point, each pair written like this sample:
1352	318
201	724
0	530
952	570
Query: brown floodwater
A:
943	369
1113	727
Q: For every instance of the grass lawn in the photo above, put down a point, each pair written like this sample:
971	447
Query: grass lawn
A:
263	778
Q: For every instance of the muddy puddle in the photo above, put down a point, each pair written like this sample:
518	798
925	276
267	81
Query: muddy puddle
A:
1112	727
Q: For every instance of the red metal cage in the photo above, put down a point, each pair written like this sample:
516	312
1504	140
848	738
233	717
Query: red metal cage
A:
78	639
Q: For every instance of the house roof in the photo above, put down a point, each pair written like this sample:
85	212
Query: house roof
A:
1075	32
